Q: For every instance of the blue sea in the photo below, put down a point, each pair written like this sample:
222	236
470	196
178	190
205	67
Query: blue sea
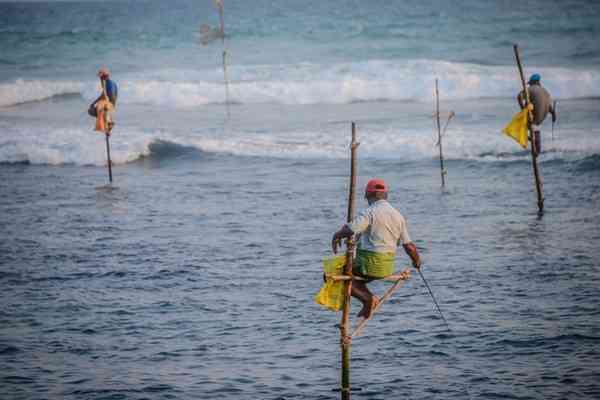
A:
192	275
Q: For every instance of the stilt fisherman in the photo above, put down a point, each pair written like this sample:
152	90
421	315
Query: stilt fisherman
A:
382	229
542	105
105	103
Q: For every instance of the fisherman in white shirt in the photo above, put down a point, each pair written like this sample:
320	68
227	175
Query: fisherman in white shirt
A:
382	229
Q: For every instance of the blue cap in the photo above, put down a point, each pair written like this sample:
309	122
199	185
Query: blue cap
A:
535	78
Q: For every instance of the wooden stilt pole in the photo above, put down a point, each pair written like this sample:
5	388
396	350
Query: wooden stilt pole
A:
219	4
353	176
208	36
345	338
536	172
553	121
439	129
226	78
107	134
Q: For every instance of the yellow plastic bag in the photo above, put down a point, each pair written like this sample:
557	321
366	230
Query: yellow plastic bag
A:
332	294
517	127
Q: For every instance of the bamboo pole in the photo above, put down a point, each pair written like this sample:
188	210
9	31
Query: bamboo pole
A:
437	117
345	338
219	4
226	79
389	278
107	134
536	172
554	109
353	176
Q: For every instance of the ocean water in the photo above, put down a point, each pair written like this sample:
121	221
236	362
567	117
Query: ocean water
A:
192	275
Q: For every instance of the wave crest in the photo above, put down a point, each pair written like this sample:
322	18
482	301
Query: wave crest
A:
84	148
22	91
307	83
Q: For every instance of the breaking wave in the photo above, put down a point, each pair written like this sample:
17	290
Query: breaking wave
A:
56	146
306	83
22	91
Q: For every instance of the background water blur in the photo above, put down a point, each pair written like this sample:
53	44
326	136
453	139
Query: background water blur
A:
193	275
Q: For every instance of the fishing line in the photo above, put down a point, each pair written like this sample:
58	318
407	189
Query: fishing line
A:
465	385
433	298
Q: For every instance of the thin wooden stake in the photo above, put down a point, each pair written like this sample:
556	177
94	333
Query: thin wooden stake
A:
107	134
353	176
536	172
226	79
219	4
553	108
345	338
208	36
437	117
389	278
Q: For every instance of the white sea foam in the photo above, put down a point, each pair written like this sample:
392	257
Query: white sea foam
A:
22	91
81	147
475	135
68	146
315	84
355	82
481	144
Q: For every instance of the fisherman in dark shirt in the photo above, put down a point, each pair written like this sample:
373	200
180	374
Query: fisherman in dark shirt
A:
542	105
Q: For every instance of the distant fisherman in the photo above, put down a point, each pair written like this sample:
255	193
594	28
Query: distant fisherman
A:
109	93
542	105
381	228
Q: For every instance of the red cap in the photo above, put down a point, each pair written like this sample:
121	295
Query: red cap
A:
376	185
103	72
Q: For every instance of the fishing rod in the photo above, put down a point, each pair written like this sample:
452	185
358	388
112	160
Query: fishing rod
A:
433	297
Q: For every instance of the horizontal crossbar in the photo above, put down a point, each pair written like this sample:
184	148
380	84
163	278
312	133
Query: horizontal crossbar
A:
404	275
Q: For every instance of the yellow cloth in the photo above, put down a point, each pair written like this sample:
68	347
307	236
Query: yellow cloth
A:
517	127
103	117
332	292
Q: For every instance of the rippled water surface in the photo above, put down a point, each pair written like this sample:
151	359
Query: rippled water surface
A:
192	276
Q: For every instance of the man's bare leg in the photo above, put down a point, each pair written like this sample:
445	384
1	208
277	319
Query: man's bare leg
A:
538	142
368	300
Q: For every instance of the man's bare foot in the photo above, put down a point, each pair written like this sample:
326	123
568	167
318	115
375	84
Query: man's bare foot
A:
371	307
362	312
368	308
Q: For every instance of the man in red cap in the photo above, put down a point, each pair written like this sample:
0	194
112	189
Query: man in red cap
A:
381	228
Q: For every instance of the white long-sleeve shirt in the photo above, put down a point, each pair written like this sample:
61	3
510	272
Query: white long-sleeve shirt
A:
382	228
